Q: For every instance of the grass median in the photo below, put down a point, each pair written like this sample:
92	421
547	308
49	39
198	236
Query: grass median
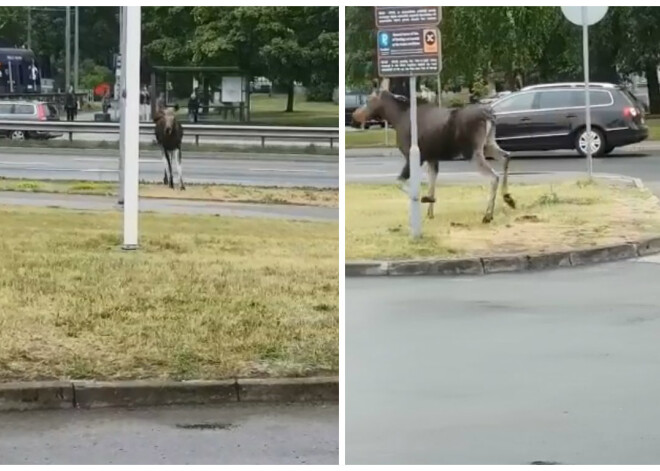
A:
549	217
325	197
203	297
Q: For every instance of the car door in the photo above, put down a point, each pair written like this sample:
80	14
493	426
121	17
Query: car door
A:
514	119
555	119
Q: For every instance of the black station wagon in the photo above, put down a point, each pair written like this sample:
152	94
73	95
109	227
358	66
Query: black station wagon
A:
552	117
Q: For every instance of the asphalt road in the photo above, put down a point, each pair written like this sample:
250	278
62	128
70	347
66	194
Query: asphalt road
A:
257	434
559	366
636	164
244	171
172	206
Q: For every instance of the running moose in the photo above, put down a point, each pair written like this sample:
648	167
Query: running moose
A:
443	134
169	134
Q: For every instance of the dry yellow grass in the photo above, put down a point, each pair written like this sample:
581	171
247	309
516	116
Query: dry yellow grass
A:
204	297
229	193
548	217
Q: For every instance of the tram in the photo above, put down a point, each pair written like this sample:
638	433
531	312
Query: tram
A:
19	72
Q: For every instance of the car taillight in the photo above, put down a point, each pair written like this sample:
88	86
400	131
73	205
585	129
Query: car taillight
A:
41	113
630	112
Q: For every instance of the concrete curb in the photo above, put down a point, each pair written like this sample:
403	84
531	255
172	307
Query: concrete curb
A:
515	262
23	396
504	263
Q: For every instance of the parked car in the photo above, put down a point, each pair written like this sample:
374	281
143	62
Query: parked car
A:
28	111
552	117
354	100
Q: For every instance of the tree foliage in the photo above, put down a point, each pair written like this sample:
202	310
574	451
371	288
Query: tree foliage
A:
514	46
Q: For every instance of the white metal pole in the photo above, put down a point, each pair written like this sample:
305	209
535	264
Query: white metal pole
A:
131	118
415	210
120	100
587	109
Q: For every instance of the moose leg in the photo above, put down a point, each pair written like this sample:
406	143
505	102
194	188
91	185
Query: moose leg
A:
432	169
179	169
166	178
487	170
495	151
168	169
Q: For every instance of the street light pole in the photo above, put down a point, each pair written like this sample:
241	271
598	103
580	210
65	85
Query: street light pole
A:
67	48
131	118
29	28
76	57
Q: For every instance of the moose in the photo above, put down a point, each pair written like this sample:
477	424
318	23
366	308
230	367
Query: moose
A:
169	135
443	134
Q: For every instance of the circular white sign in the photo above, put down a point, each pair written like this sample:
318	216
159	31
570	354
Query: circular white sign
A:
593	14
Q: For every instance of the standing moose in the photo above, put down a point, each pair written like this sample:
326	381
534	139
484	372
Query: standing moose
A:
169	134
443	134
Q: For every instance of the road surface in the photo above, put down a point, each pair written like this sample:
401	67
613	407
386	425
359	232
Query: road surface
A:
87	165
559	366
236	434
636	164
172	206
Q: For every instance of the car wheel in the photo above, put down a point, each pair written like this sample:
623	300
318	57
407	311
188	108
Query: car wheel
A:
17	136
598	143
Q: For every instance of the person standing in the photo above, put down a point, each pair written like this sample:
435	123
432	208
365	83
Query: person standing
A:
193	107
70	105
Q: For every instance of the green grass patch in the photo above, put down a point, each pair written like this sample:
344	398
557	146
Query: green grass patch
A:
548	217
374	137
204	297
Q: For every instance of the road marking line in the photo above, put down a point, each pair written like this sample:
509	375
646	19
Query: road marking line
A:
24	163
648	259
95	170
286	171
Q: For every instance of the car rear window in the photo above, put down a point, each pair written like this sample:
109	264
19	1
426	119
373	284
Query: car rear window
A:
5	108
632	98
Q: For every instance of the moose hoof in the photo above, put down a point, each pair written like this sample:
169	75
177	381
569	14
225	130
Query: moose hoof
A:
487	218
427	199
509	200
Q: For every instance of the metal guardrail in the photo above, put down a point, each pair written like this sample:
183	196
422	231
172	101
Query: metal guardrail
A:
198	130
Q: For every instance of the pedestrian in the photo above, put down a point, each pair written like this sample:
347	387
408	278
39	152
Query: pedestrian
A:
193	108
105	104
70	105
160	103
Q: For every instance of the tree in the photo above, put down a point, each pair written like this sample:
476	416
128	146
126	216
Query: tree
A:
287	44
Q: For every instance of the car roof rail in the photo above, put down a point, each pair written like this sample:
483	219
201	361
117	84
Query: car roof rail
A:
569	85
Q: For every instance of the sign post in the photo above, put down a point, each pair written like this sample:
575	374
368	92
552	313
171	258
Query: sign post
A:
585	17
408	46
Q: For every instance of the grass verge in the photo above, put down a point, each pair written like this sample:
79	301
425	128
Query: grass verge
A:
225	193
374	137
549	217
268	110
204	297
